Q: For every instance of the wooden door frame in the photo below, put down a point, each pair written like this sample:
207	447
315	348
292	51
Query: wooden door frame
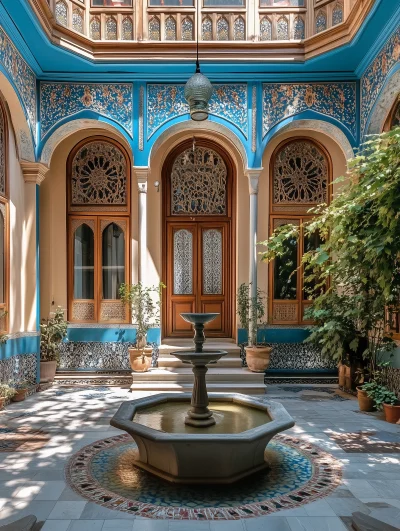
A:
230	217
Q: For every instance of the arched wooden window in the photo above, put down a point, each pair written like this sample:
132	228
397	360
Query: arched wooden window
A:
206	29
98	193
265	29
77	20
62	13
95	29
4	247
300	173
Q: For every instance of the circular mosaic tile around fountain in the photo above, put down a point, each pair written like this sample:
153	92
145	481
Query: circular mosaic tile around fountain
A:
298	473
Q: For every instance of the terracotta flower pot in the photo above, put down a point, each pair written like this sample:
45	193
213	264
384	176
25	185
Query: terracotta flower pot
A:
364	401
20	395
47	371
258	358
342	374
140	359
2	400
392	413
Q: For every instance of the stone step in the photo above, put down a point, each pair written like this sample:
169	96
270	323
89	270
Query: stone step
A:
185	374
300	379
212	387
226	361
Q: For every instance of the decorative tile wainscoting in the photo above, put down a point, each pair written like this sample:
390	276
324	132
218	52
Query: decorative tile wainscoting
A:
111	356
20	368
19	358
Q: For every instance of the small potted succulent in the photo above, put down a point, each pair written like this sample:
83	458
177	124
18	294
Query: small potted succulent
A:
21	389
6	393
52	332
145	305
251	311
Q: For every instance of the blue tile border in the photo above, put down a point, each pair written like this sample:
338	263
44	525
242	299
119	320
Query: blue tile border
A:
119	334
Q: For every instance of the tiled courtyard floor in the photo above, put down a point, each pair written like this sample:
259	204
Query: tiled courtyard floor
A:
32	478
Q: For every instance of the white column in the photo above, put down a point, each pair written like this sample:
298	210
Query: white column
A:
141	176
253	176
34	173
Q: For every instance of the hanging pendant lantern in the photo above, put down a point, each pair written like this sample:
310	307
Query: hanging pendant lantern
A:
198	92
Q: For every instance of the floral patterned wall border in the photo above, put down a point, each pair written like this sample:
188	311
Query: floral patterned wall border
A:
22	76
337	100
61	100
165	102
376	74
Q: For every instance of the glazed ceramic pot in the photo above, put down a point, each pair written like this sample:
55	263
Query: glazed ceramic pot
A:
47	371
258	358
364	401
140	359
392	413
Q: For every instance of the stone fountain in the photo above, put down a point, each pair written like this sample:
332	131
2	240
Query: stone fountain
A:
201	438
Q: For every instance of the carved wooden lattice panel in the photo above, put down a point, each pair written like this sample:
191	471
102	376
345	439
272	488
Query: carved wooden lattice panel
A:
2	153
99	174
300	174
113	311
183	262
285	312
212	262
198	183
83	311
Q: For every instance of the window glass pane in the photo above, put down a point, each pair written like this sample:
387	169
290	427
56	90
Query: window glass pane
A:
212	262
84	263
311	243
183	262
285	283
113	263
221	3
111	3
282	3
171	3
2	258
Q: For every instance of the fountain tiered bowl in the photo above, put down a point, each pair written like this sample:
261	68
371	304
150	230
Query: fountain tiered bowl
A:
201	438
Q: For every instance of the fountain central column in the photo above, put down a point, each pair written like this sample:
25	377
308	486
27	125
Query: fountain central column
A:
199	415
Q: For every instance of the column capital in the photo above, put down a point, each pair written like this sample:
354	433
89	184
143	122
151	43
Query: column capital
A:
141	173
253	175
34	172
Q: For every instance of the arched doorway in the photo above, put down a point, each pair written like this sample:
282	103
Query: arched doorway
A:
198	237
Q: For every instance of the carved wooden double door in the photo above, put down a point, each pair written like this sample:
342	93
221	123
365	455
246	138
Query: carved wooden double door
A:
198	240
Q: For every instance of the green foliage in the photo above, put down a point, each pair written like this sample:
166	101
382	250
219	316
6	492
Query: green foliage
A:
145	303
250	310
6	391
52	332
379	394
355	271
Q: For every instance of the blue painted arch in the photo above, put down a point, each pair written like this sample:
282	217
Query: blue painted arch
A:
308	116
93	116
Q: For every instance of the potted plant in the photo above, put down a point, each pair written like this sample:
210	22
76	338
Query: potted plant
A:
21	389
6	393
145	305
52	332
383	399
251	310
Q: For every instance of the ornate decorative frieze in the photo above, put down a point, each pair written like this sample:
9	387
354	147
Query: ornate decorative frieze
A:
376	74
22	75
61	100
336	100
165	102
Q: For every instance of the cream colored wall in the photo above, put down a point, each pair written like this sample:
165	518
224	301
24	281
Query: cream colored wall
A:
53	225
22	303
338	168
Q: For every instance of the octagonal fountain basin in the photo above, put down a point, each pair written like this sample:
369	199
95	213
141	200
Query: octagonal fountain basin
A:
225	452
